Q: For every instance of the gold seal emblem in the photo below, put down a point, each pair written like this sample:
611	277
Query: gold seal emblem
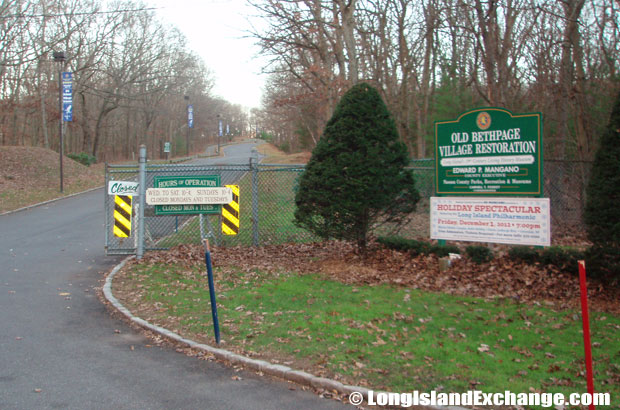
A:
483	120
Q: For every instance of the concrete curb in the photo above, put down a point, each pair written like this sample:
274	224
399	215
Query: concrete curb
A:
277	370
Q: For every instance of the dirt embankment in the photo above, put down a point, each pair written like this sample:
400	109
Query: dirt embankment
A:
29	175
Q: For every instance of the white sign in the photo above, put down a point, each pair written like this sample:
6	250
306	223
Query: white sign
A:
188	196
519	221
122	188
469	161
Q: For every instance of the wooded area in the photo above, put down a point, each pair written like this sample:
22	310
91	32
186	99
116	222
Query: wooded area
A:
430	59
133	78
434	59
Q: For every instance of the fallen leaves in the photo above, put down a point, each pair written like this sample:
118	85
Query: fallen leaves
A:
502	277
483	348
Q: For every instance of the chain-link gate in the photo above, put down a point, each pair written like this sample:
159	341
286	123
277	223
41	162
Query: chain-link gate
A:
119	245
266	207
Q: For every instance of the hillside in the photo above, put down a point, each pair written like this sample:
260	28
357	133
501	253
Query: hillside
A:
275	155
29	175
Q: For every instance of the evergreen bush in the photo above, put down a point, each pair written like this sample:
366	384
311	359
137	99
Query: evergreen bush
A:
444	250
405	245
602	211
526	254
415	247
356	176
479	254
565	259
83	158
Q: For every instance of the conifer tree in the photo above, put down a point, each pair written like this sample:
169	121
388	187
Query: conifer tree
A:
356	176
602	212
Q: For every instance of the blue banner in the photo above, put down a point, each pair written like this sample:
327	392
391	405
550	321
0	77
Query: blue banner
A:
190	116
67	97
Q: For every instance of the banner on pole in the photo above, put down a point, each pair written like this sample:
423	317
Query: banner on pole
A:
67	97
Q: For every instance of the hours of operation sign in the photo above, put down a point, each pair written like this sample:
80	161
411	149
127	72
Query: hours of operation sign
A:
201	181
489	151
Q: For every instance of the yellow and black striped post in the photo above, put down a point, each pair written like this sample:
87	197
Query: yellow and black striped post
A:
230	213
122	216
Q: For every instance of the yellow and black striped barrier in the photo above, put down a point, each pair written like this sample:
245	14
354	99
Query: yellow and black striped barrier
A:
230	213
122	216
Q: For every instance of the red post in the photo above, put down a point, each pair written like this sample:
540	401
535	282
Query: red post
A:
586	329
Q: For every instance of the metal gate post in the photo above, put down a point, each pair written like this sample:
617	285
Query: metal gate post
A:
141	200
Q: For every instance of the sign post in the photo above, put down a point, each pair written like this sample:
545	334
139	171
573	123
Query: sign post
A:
587	345
190	124
66	88
216	322
167	149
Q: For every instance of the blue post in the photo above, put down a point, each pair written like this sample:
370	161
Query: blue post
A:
216	323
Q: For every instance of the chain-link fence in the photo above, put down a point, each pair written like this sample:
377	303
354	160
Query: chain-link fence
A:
564	184
267	205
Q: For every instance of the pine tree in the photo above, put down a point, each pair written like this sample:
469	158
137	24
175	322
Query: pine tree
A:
356	175
602	212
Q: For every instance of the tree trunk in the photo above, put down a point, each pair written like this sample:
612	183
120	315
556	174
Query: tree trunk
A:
572	10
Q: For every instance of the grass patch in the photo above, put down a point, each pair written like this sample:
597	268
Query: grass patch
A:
381	336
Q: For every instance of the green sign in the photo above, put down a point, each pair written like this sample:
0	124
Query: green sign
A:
166	147
489	151
199	181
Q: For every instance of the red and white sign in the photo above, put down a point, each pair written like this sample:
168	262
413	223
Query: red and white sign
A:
518	221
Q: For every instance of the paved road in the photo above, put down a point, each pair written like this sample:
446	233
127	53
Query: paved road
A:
60	348
233	154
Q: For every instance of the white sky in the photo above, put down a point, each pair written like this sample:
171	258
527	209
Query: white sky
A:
215	30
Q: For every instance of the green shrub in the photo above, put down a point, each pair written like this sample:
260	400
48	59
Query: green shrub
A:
83	158
285	147
357	174
444	250
603	262
406	245
565	259
479	254
526	254
602	213
417	247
